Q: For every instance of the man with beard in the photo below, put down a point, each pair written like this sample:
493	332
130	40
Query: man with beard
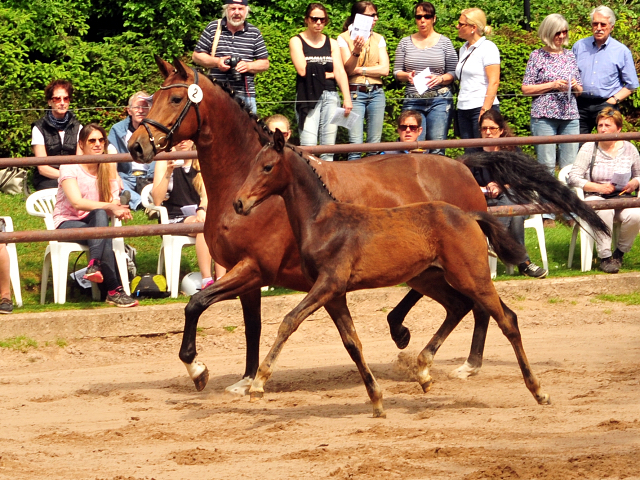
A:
234	50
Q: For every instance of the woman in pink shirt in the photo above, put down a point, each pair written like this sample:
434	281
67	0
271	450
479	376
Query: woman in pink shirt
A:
88	194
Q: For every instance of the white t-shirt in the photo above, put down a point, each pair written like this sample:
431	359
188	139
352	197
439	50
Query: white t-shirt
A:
474	81
38	139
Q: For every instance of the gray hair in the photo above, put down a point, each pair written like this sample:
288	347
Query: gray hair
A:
142	95
551	25
605	12
225	8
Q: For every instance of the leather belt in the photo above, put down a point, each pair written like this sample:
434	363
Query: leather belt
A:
364	88
430	93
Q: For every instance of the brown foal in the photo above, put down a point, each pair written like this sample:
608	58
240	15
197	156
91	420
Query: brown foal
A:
346	247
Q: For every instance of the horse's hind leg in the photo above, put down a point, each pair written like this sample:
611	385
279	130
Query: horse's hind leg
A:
474	362
339	312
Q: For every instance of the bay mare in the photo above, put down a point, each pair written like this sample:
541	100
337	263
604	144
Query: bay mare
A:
262	250
346	247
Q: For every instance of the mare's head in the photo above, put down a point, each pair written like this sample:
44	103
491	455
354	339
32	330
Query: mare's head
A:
269	175
175	114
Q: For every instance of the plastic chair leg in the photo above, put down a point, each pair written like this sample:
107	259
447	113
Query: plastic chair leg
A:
493	266
176	256
572	246
121	263
586	248
14	273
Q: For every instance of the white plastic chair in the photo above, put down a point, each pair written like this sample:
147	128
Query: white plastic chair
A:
534	221
171	250
56	255
587	240
13	263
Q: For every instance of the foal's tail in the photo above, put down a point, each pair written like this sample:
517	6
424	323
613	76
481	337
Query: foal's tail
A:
503	243
530	181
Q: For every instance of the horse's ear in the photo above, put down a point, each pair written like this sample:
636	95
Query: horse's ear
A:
165	67
179	66
278	141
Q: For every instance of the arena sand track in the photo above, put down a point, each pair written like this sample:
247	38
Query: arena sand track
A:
109	407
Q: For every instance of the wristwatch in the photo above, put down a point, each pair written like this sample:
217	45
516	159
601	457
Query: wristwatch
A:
616	99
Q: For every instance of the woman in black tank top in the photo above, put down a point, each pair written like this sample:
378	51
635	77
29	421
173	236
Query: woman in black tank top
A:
319	66
176	184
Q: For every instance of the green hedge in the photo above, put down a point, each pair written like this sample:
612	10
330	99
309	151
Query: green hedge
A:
106	48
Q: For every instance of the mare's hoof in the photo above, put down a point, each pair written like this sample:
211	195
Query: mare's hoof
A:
544	399
255	396
240	388
402	338
201	380
464	371
379	413
426	386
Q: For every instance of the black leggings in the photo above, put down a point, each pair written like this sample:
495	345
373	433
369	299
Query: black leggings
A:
100	248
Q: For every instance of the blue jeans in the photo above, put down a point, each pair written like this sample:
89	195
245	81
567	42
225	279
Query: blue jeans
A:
318	123
250	101
436	116
547	153
469	126
129	182
369	105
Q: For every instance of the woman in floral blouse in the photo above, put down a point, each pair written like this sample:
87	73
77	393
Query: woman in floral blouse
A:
552	76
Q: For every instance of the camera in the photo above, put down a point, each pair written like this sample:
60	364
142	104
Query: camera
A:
232	62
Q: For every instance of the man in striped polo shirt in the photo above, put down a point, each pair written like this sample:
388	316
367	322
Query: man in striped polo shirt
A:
239	40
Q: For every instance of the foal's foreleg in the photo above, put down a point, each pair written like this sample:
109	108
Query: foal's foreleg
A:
339	312
319	295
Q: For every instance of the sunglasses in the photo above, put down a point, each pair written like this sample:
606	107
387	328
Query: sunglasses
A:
489	129
562	32
318	19
372	15
403	128
426	17
93	141
460	25
599	24
61	99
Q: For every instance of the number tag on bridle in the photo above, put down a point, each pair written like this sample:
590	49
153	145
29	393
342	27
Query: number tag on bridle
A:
195	93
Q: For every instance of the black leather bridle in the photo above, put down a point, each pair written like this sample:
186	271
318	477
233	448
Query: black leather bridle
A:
170	131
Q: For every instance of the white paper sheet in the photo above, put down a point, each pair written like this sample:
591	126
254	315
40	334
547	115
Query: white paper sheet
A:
342	121
84	283
420	81
361	27
620	180
189	210
569	89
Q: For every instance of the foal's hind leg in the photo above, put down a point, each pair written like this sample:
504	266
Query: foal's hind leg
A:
342	318
474	361
399	333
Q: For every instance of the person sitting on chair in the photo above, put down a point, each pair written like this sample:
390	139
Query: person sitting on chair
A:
177	185
493	125
409	129
87	195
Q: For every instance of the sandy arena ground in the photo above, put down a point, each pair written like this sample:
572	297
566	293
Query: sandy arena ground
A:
117	404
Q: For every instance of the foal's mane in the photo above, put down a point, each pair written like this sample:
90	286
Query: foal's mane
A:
306	157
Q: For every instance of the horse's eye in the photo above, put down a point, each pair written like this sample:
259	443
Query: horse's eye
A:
267	168
176	99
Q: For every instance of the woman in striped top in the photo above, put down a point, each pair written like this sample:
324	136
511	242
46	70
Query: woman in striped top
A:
428	49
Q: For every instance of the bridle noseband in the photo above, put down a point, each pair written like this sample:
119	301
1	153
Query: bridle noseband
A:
170	131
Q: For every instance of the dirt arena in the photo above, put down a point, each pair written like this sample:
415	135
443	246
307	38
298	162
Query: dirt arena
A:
116	403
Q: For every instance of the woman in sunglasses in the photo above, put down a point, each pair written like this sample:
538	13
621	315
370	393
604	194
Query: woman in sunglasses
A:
478	71
427	49
553	79
54	134
87	196
320	70
493	125
366	62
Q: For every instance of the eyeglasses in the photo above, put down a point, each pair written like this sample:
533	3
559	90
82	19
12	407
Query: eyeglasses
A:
489	129
460	25
426	17
139	108
64	99
318	19
562	32
413	128
93	141
599	24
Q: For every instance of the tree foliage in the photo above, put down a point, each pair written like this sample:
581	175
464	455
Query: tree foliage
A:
106	48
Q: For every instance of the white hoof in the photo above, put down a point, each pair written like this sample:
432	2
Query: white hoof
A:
199	373
464	371
241	387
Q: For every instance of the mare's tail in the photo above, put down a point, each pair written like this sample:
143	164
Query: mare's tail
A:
528	179
503	243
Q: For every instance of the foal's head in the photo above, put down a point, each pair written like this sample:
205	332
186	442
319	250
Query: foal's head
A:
269	175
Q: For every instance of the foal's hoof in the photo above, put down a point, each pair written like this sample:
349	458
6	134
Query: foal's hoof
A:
379	413
240	388
255	396
201	380
402	337
426	386
544	399
464	371
199	373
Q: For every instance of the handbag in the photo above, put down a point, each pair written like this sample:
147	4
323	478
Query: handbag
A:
13	180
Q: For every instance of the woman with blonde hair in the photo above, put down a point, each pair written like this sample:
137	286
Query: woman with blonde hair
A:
478	71
88	194
178	184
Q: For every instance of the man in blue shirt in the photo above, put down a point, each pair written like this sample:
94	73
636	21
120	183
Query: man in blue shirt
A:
606	67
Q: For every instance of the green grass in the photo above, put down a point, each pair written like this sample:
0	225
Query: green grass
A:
31	256
627	299
21	343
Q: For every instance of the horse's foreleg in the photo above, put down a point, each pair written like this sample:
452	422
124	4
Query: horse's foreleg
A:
399	333
320	294
339	312
242	278
474	362
252	330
